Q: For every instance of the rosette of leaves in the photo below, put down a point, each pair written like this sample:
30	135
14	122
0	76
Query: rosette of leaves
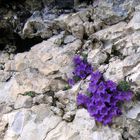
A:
124	86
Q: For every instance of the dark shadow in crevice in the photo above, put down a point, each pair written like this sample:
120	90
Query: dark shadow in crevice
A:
87	1
24	45
90	19
108	58
117	53
85	37
2	46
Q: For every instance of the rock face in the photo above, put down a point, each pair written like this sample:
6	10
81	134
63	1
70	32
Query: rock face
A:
35	100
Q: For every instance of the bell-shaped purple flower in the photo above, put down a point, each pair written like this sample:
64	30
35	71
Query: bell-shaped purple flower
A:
107	119
114	111
100	104
104	110
95	77
106	97
83	100
111	85
96	97
77	60
92	88
124	95
71	82
92	109
101	87
89	69
113	101
98	117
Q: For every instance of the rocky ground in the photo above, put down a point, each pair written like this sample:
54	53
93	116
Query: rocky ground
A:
38	40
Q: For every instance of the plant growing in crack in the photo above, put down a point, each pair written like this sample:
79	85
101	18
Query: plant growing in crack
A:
66	87
104	97
124	86
29	93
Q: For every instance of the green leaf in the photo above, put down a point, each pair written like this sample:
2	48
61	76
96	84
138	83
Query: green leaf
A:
124	86
29	93
66	87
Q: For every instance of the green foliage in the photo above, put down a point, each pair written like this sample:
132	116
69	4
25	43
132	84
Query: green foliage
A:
76	78
29	93
124	86
84	55
66	87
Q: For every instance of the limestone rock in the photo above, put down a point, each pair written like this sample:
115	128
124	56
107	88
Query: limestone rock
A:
112	11
112	32
5	109
72	23
16	121
41	111
78	31
40	99
107	32
81	128
39	62
39	131
69	39
107	134
131	61
128	45
96	57
134	75
83	122
135	22
115	71
36	123
89	28
36	27
68	116
62	132
67	20
107	47
57	111
3	128
134	112
23	102
4	76
133	128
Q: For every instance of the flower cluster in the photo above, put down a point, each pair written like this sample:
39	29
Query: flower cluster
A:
81	70
103	102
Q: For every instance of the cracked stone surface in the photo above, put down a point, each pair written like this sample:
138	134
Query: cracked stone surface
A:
35	103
